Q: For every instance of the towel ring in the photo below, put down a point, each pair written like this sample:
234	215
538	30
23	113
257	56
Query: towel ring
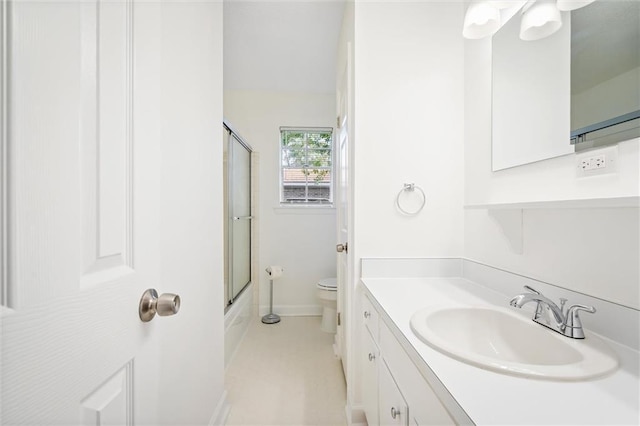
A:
410	187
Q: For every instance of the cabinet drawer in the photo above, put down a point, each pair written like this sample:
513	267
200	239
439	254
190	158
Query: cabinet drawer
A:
425	406
370	317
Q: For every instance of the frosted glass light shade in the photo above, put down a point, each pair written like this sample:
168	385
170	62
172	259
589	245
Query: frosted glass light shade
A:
481	20
566	5
539	21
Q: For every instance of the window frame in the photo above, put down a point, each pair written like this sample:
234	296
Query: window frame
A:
281	168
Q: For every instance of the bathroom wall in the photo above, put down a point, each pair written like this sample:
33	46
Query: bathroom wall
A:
408	128
589	250
190	100
302	240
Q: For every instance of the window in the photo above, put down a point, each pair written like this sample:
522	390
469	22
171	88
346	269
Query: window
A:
306	166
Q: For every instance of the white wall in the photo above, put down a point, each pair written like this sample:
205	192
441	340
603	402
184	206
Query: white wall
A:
408	126
593	251
192	184
301	240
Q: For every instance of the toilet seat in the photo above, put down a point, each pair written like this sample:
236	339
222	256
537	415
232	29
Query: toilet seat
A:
328	284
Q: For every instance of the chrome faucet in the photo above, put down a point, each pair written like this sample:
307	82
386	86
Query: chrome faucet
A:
568	324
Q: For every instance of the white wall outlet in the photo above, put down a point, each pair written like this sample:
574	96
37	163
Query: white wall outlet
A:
597	162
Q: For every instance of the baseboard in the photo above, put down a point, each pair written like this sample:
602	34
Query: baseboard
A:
293	310
355	415
221	413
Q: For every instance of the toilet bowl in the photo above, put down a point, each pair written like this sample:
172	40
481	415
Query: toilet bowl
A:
328	295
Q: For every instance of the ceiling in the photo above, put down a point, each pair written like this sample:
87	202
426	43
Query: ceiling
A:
281	45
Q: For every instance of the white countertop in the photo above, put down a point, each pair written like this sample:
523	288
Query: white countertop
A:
493	398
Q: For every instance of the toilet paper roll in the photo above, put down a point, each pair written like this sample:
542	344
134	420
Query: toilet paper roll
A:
275	271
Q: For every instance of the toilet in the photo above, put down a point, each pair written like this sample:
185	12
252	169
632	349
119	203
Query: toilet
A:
328	295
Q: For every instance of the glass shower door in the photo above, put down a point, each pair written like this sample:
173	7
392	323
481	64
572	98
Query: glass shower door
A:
239	199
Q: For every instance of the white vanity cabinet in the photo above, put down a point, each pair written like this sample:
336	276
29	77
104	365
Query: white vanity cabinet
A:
369	358
394	390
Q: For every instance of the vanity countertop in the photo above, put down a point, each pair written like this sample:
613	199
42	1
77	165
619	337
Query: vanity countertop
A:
492	398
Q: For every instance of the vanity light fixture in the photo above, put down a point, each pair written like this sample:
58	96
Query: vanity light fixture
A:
481	20
540	18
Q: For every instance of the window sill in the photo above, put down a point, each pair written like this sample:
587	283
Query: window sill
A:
313	210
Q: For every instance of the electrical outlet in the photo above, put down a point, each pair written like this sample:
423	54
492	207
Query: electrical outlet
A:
597	162
584	164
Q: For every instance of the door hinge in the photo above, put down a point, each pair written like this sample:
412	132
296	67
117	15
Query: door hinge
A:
338	122
338	318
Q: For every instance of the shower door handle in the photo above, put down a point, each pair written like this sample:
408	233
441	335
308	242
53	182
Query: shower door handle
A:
242	217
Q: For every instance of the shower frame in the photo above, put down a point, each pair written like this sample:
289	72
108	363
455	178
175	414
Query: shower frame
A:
233	142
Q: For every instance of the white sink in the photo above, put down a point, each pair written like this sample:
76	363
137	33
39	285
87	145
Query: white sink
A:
500	340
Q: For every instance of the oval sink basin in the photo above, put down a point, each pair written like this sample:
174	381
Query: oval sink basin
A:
500	340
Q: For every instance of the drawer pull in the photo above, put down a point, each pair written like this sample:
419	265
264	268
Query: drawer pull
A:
394	413
371	357
367	314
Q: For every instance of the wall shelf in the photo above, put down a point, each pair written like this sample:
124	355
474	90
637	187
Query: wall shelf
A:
589	203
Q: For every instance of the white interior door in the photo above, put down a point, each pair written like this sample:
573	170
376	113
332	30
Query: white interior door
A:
87	219
344	260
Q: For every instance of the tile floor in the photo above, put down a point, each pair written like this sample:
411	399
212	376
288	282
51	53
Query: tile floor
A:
286	374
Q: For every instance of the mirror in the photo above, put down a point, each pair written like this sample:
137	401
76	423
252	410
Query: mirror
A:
605	73
566	92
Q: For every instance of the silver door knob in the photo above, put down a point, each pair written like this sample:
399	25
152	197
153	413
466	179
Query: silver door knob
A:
151	304
342	247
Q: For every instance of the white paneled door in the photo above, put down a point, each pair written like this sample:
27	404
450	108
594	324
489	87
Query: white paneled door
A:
344	215
85	229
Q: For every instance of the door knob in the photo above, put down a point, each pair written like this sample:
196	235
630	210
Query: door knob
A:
342	247
151	304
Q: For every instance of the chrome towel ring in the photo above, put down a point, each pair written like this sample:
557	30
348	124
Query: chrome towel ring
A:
410	187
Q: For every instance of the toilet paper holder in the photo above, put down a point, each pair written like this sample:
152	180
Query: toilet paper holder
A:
274	273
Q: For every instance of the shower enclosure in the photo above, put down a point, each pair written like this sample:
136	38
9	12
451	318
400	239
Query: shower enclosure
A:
237	173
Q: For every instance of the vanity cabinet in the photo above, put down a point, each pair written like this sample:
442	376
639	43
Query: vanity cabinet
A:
369	358
394	390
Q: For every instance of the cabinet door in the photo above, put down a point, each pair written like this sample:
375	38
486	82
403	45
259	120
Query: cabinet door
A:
393	407
370	355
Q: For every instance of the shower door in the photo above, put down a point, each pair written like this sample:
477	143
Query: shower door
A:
239	216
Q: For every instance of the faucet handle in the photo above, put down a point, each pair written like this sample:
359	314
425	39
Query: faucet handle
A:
531	289
573	325
573	309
